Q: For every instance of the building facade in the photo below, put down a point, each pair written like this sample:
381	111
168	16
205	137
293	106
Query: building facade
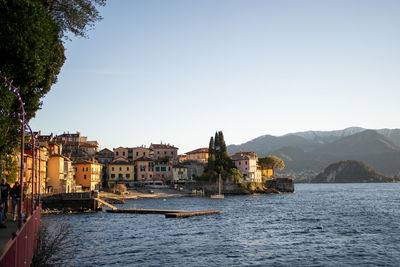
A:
121	172
144	169
200	154
179	173
162	151
247	163
88	174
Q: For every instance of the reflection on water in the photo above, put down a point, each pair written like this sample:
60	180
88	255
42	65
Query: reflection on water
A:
327	224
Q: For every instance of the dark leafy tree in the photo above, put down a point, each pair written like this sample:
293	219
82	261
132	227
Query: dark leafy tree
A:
32	53
211	155
271	162
219	161
75	16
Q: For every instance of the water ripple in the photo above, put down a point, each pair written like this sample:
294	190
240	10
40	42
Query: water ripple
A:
329	225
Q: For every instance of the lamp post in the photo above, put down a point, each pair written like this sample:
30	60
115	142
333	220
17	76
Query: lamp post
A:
34	176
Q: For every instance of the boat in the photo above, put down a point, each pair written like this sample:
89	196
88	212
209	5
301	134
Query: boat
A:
219	195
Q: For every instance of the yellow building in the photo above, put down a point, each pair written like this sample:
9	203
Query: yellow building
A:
88	174
55	173
200	154
267	173
120	171
59	174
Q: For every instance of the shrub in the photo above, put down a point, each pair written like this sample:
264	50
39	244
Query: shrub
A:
119	188
252	186
50	242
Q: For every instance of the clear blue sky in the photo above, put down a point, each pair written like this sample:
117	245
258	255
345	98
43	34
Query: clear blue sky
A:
177	71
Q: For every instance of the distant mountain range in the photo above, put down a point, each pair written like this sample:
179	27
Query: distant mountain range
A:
311	151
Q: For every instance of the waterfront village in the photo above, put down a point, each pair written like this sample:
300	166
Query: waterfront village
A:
71	163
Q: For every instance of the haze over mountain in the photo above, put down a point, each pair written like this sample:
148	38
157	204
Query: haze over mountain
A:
311	151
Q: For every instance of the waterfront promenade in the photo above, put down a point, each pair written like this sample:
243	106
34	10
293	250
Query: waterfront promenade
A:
6	233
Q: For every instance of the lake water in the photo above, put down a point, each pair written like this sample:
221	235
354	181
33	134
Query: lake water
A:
360	226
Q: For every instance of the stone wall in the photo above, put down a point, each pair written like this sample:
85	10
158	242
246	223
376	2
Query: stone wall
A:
228	187
285	185
75	202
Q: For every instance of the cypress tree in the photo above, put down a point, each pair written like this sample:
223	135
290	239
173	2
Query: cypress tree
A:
219	161
211	155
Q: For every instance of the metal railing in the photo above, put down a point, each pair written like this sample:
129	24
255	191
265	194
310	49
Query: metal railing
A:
18	251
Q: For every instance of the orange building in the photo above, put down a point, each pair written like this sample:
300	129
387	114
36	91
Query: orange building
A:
40	168
144	169
88	174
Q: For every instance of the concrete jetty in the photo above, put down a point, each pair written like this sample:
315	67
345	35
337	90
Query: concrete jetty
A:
106	203
167	213
191	213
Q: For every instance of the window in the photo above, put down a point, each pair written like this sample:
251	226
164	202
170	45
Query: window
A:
142	175
245	162
127	175
137	153
84	176
116	153
172	152
127	168
157	169
112	175
165	152
240	163
123	153
151	176
119	175
158	152
120	168
163	169
169	168
143	168
144	153
112	168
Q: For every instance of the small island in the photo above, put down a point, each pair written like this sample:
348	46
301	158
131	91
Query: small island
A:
351	171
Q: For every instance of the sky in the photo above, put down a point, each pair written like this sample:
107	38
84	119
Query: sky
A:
177	71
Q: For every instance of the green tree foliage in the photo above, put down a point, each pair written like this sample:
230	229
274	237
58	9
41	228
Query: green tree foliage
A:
219	161
74	16
271	162
10	165
31	55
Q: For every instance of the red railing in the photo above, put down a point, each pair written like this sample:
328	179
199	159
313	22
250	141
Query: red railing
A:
19	250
